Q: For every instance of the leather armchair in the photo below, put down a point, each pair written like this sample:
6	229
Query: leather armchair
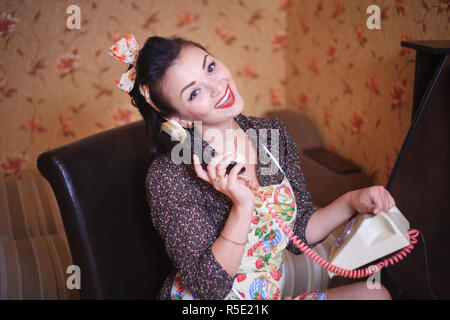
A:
99	184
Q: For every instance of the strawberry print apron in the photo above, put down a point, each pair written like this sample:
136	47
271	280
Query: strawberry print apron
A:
261	273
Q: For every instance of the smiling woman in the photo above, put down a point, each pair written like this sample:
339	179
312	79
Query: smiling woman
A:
207	90
225	242
185	83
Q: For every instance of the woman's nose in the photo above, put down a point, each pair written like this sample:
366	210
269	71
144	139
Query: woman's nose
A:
218	89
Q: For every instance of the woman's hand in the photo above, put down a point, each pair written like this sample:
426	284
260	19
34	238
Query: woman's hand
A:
372	199
232	185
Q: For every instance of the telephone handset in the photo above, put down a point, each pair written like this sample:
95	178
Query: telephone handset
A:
233	163
173	133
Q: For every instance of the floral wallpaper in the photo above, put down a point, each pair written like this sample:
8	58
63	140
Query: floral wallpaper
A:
356	84
317	57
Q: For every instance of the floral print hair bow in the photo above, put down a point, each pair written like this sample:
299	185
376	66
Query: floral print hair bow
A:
127	50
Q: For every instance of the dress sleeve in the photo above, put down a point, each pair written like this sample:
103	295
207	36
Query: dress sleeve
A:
294	174
187	230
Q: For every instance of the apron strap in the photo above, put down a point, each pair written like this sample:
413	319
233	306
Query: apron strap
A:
273	158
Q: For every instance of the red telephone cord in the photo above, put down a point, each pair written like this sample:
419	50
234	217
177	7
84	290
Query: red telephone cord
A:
357	273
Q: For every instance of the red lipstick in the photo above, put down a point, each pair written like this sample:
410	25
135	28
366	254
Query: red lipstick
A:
229	102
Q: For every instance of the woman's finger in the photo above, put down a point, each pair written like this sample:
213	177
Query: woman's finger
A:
383	205
377	199
243	177
386	200
221	167
381	200
201	173
391	201
234	172
211	168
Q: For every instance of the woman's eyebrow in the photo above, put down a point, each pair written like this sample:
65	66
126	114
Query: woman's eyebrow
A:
204	61
193	82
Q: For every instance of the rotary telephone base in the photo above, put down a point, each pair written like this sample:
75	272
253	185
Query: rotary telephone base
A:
368	237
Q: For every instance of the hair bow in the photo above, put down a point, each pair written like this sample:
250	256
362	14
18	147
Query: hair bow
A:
126	50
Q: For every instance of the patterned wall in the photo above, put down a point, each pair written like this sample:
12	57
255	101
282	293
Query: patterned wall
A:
57	85
355	83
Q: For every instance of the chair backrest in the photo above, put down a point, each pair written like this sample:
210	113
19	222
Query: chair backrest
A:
99	183
302	129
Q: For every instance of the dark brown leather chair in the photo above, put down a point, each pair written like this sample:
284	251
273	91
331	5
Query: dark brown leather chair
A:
99	183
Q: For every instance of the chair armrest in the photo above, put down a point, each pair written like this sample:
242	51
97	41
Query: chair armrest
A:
331	160
326	185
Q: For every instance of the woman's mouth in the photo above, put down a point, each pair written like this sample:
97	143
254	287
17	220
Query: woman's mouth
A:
227	99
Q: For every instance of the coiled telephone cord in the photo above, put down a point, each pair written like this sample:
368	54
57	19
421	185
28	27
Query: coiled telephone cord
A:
357	273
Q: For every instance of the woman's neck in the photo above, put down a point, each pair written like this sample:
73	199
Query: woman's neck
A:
222	137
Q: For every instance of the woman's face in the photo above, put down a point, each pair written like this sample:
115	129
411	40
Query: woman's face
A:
202	88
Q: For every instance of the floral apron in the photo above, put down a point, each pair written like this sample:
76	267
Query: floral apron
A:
261	273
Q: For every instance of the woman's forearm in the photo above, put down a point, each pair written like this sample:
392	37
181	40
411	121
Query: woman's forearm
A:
328	218
236	228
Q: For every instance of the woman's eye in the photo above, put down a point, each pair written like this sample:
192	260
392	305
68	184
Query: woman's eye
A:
211	64
194	94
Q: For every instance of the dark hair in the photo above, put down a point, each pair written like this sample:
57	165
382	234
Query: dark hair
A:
155	57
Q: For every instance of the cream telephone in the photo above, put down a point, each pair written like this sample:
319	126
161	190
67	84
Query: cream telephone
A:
364	239
368	237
